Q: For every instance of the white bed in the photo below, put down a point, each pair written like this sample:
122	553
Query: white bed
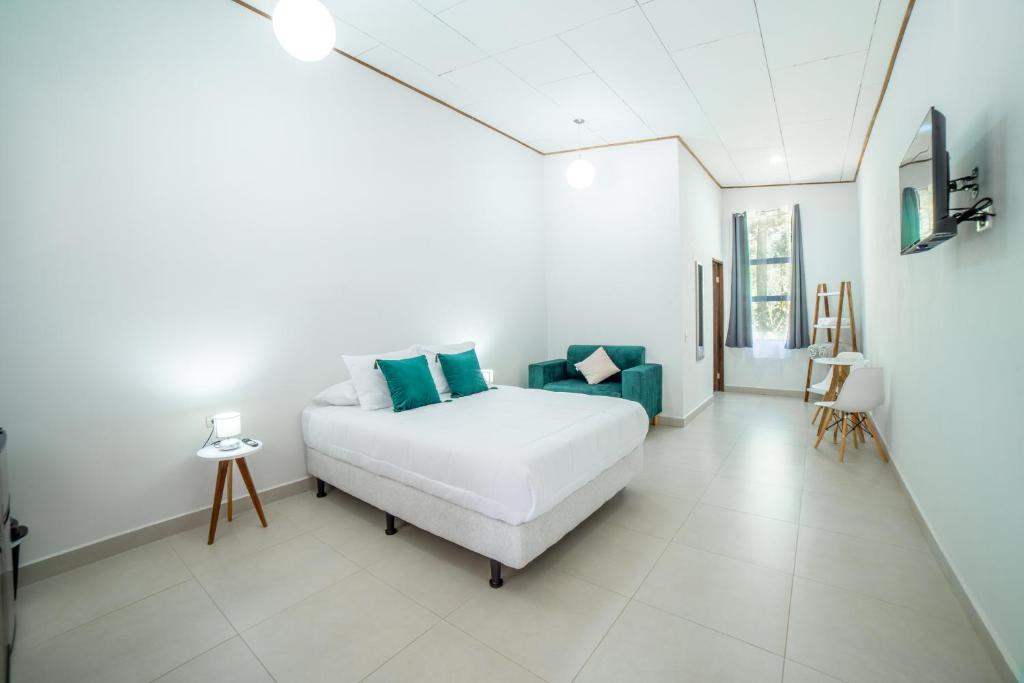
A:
505	473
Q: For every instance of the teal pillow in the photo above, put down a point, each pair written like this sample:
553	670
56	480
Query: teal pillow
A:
410	382
462	370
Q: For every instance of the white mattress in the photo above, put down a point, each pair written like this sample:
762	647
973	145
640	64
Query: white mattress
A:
511	454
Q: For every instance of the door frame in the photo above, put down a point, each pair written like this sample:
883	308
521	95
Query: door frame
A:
718	316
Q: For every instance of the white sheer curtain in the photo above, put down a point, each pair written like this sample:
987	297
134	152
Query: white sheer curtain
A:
771	348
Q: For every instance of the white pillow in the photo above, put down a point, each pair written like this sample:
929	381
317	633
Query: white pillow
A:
435	367
371	387
341	394
597	367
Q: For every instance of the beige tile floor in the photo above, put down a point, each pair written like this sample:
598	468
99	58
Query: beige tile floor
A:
741	554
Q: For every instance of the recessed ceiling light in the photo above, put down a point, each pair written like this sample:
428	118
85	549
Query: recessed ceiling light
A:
777	159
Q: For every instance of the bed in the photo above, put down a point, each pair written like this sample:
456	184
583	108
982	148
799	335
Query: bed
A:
505	473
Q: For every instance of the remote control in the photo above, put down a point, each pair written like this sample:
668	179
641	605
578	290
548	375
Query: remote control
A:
250	442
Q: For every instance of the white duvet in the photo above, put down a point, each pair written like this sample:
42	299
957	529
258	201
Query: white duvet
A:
511	454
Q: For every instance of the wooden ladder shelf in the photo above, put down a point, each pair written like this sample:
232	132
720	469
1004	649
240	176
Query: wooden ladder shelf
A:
832	332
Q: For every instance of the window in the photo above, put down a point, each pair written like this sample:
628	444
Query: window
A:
770	264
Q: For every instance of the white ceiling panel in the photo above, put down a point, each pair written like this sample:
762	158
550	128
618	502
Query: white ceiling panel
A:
544	61
499	25
352	40
624	49
751	126
730	80
861	120
712	154
825	89
534	118
685	23
798	31
743	82
815	150
763	166
727	74
606	114
410	30
436	6
887	30
489	80
404	69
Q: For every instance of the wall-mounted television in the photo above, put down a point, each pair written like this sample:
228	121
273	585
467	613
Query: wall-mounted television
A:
924	188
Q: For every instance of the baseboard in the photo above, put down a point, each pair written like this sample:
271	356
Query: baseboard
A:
765	391
995	652
696	411
670	421
59	563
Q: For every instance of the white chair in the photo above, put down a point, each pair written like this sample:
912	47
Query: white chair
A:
862	391
821	388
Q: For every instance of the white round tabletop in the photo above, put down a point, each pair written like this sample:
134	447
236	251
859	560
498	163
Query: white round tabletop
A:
837	361
211	452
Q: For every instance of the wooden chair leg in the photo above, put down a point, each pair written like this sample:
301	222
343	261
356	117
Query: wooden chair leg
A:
218	493
231	495
842	447
823	427
817	414
878	438
243	469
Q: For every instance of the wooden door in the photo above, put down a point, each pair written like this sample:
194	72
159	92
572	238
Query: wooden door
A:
719	325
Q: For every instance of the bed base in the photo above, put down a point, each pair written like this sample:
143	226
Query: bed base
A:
502	543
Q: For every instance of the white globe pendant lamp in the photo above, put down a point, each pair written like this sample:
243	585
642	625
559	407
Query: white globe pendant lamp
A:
304	28
580	173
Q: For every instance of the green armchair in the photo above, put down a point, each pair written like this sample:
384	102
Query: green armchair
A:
638	381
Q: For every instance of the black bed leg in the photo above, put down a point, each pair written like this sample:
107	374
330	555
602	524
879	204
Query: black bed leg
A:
320	488
389	528
496	580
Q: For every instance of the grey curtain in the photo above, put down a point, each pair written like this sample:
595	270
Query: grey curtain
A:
798	336
741	324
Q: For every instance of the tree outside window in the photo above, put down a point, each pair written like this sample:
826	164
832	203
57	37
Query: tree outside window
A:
770	264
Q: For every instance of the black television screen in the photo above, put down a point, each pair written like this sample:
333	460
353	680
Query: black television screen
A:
924	188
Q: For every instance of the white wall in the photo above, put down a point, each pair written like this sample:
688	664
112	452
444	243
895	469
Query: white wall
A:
194	221
700	212
620	257
829	217
945	324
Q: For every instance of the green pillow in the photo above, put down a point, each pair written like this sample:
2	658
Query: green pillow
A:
410	382
462	370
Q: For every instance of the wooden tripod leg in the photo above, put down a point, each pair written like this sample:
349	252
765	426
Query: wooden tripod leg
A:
231	475
218	493
878	437
842	447
243	469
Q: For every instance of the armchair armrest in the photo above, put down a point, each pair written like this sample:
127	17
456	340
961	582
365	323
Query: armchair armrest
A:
547	371
642	384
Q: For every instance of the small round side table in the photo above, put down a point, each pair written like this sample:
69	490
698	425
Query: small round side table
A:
224	473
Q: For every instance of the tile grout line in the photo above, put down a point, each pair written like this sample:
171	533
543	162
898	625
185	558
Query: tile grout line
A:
107	614
230	623
792	578
631	598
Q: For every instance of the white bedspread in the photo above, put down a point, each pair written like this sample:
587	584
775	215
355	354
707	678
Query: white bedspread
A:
511	454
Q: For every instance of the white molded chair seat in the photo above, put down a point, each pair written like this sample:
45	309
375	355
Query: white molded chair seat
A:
821	388
862	392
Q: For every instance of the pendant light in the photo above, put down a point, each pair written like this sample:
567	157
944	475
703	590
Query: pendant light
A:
304	28
580	173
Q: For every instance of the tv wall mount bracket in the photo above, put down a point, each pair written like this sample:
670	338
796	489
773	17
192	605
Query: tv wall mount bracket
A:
980	212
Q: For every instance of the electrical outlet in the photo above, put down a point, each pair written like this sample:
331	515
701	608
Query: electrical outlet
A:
208	421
